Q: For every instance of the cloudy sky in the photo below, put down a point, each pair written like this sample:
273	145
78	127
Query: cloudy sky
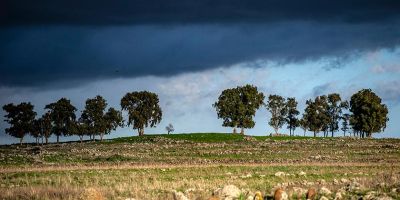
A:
189	51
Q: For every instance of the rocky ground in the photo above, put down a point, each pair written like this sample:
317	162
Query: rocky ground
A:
203	166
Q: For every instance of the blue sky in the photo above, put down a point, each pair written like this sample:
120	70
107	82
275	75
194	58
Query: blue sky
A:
189	51
186	99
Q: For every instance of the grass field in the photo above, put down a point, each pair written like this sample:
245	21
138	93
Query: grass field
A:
151	167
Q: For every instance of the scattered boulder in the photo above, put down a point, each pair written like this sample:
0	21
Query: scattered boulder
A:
302	173
325	191
179	196
279	174
323	198
257	196
280	194
311	194
230	191
338	196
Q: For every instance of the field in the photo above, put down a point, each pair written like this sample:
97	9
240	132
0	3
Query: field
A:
199	165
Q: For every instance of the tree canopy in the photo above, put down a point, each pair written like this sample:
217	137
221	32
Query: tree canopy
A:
292	112
277	106
369	114
62	114
237	106
143	110
21	118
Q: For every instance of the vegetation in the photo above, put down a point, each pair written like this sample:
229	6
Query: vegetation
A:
62	114
143	110
169	128
291	118
21	118
237	107
277	106
369	114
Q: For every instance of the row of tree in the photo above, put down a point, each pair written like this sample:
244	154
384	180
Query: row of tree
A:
95	120
365	113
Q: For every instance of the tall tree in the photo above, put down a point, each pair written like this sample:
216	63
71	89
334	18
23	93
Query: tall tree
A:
21	118
79	128
369	114
345	123
237	106
46	126
62	114
335	109
303	124
292	112
36	131
94	117
143	110
113	120
315	114
277	106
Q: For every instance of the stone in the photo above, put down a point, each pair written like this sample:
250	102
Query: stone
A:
230	191
324	191
299	191
338	196
179	196
280	194
279	174
311	194
258	196
323	198
302	173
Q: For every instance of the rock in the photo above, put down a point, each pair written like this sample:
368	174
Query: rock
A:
311	194
338	196
280	194
130	199
179	196
325	191
230	191
257	196
384	198
369	196
343	180
246	176
335	181
323	198
213	198
302	173
322	182
279	174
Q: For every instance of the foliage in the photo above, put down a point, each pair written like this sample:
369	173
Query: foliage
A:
292	112
369	113
237	106
169	128
93	115
345	123
335	109
277	106
315	114
143	110
113	120
21	119
62	115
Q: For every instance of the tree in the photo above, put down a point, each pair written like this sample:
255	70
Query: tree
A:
345	123
62	114
303	124
277	106
79	128
36	131
46	126
315	114
237	106
21	118
93	116
335	109
143	110
113	120
369	114
292	112
169	128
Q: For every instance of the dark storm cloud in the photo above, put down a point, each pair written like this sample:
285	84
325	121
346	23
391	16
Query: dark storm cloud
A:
40	55
48	42
106	12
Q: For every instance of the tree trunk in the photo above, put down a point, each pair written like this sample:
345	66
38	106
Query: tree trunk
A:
47	140
20	141
315	134
234	130
94	138
58	139
276	130
242	131
81	138
304	133
332	133
141	131
101	137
